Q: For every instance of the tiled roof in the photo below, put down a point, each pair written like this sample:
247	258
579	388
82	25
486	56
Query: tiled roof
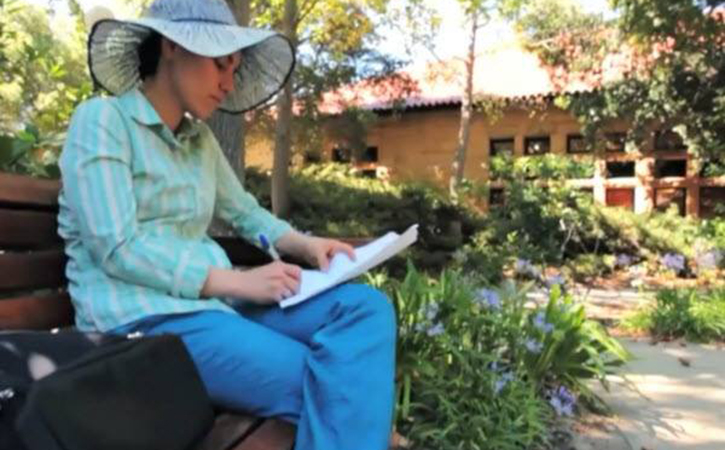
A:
507	71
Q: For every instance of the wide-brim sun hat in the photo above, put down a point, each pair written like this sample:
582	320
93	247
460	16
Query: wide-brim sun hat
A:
203	27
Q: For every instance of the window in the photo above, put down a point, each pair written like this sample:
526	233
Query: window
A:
537	145
344	155
668	140
312	157
370	155
614	142
712	201
502	147
670	168
575	143
666	197
496	197
341	155
620	169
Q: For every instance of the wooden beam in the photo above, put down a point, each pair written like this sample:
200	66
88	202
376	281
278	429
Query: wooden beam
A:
25	190
39	312
28	229
34	270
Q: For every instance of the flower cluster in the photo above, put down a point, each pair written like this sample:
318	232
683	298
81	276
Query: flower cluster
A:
709	260
534	346
488	298
430	326
525	267
673	261
555	280
623	260
501	383
541	324
562	401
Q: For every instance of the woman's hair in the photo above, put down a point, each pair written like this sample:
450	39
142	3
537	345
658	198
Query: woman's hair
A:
149	53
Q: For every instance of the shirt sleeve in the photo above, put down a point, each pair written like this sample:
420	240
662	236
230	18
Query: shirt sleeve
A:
98	187
239	208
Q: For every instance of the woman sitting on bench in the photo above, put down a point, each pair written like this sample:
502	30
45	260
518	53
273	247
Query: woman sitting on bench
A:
142	178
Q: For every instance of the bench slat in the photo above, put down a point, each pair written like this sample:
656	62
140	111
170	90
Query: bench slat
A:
28	229
273	434
34	270
24	190
39	312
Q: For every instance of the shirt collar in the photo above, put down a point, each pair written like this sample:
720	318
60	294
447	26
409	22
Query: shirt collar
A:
142	111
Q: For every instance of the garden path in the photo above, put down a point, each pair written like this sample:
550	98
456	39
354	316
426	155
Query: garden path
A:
678	402
672	396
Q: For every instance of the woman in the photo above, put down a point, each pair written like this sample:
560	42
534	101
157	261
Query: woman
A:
142	178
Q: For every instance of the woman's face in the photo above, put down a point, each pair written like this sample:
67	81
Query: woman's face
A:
200	83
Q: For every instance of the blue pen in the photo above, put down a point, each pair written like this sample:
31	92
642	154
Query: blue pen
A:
269	248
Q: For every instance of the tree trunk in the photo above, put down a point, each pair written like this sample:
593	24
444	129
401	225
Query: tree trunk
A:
464	129
283	131
229	128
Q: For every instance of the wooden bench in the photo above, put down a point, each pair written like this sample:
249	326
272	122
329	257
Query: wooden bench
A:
33	293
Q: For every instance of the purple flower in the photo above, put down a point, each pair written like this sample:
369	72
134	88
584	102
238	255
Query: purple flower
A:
562	401
541	324
673	261
534	346
488	298
623	260
435	330
525	267
431	311
709	260
556	279
502	382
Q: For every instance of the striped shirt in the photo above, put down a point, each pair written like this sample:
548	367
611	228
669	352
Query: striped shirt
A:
135	206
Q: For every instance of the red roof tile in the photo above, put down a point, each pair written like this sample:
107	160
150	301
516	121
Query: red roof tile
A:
507	72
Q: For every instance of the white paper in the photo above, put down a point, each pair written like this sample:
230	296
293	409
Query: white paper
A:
342	268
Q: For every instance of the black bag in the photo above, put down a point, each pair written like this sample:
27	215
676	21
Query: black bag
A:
26	356
138	394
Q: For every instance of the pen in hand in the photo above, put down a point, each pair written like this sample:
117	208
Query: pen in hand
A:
268	247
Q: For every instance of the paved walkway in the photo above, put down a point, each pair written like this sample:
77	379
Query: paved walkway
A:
605	305
673	396
680	403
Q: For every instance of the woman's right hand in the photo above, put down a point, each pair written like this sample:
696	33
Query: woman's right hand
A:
268	284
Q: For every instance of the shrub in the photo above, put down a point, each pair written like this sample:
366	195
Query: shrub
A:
688	313
332	200
477	366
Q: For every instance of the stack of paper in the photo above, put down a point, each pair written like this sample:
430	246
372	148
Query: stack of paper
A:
342	268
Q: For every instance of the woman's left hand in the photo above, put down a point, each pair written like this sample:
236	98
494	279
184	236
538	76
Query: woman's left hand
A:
314	250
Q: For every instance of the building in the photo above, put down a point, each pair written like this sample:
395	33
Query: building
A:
415	134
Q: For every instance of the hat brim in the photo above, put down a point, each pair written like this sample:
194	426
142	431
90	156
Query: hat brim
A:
267	57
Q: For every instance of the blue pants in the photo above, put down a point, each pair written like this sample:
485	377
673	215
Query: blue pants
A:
326	364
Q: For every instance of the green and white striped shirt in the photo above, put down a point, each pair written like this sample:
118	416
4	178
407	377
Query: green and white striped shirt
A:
135	206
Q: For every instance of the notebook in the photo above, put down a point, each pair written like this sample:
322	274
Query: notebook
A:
343	269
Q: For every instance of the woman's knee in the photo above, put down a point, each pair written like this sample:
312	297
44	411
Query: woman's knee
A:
372	303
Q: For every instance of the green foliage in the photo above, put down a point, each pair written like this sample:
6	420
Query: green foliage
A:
689	313
563	35
332	200
44	77
338	43
476	367
28	152
542	167
679	84
542	219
